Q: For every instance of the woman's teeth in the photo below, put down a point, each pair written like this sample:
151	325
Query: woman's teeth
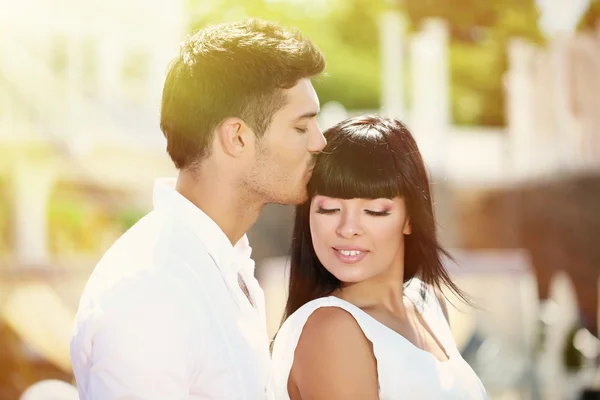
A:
350	252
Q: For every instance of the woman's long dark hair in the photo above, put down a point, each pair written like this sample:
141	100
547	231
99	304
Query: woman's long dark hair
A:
368	157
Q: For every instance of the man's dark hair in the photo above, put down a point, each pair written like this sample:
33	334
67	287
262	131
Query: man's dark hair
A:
231	70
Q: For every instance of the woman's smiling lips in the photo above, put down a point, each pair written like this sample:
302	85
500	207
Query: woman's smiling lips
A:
349	255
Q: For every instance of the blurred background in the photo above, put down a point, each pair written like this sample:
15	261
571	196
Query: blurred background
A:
502	96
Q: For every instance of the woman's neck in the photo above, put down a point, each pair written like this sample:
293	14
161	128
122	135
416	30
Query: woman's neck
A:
386	291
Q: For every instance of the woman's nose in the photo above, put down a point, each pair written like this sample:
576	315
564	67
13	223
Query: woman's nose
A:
349	227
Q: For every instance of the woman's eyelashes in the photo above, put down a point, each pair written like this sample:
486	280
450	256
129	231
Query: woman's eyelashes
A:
321	210
377	213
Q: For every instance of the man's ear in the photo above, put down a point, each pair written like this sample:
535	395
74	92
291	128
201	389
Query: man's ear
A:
234	136
407	228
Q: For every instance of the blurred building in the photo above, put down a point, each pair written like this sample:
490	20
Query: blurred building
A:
80	87
81	84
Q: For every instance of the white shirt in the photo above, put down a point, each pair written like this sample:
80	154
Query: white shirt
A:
404	370
163	316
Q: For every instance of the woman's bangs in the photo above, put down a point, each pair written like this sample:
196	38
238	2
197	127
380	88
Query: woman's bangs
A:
354	170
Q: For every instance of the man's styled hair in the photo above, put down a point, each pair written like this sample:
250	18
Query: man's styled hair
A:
231	70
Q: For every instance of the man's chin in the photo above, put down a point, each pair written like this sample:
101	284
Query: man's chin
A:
293	200
301	197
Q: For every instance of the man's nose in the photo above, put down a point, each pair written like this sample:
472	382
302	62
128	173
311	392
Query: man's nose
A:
317	141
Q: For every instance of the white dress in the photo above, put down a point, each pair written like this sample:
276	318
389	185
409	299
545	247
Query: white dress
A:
404	370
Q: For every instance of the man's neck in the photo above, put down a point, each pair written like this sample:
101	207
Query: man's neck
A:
221	198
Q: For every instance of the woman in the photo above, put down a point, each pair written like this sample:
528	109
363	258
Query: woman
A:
364	318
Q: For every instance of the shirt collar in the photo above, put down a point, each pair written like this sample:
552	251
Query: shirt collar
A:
230	259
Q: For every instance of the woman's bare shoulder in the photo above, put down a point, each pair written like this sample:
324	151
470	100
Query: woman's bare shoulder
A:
334	358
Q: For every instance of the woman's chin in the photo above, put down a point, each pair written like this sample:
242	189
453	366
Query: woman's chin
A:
349	279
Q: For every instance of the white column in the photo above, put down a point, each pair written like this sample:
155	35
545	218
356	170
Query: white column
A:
558	21
74	78
157	73
542	73
331	113
519	108
32	184
584	71
430	92
7	112
564	146
592	134
166	42
110	66
560	16
392	37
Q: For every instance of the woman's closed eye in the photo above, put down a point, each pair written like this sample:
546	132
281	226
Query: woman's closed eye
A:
322	210
377	213
326	211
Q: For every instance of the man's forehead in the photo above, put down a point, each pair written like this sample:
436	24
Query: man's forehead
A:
302	99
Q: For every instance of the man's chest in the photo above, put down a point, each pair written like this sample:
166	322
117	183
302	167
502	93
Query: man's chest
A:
236	345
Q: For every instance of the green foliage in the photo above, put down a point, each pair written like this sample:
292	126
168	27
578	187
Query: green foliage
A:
480	31
80	221
347	32
591	18
128	217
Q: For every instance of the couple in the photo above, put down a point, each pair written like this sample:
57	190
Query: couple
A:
173	311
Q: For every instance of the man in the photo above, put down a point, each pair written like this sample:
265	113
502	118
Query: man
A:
173	310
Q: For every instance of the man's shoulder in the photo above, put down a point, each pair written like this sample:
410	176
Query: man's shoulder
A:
150	250
133	296
145	267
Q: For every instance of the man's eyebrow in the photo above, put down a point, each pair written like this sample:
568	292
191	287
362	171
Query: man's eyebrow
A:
309	114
